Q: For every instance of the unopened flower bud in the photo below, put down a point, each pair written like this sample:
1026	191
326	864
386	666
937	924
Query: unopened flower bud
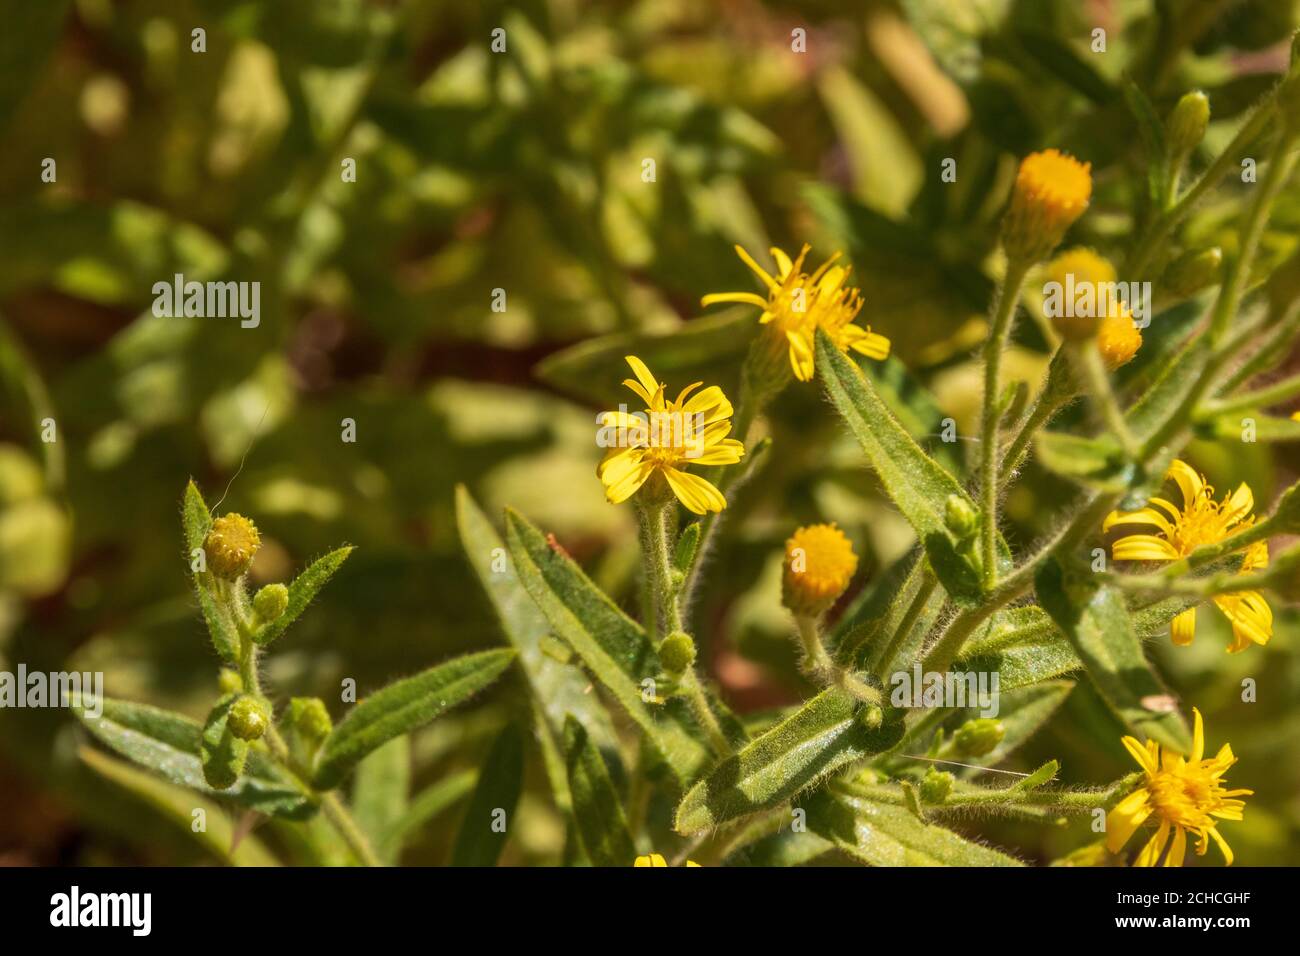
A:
936	785
1119	338
677	652
230	546
976	738
1186	125
249	717
959	517
271	601
1193	271
229	682
871	717
819	563
1052	191
310	718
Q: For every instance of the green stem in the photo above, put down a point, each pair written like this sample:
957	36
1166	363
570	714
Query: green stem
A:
1265	397
1055	394
1004	307
1093	368
347	828
699	701
822	668
910	617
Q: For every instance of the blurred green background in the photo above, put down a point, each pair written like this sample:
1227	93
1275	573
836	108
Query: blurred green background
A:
522	171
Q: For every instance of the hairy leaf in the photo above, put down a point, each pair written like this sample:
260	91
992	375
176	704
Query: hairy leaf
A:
597	811
379	794
501	779
301	592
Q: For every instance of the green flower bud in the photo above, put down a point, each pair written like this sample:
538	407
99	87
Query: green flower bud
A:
959	517
871	717
936	785
677	652
1194	271
310	718
249	717
1186	125
229	682
230	546
975	738
271	601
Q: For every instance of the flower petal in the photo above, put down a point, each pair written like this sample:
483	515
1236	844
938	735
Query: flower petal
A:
697	494
1182	629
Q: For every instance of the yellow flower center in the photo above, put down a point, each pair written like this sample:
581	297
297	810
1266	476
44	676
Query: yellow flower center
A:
1058	182
1204	521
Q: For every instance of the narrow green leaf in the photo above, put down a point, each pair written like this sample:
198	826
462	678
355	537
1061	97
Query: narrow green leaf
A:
1097	462
379	794
1167	392
916	483
881	834
195	517
220	751
404	706
687	543
1264	428
1097	624
168	744
1023	646
222	630
428	803
597	812
177	805
614	648
558	688
1152	132
786	847
301	592
1062	61
491	811
820	737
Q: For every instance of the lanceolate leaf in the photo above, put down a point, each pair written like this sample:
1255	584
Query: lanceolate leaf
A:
597	812
823	735
613	647
558	688
880	834
379	794
402	707
301	592
1097	624
196	520
195	517
918	485
428	803
168	744
1098	462
491	812
1160	401
1023	646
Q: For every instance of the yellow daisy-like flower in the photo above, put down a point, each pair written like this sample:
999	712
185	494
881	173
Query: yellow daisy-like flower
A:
654	859
1052	191
692	430
1181	794
819	563
1118	339
798	304
1200	521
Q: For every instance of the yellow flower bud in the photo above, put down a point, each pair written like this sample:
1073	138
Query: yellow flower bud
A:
230	545
248	718
819	563
1052	191
936	785
229	682
1118	339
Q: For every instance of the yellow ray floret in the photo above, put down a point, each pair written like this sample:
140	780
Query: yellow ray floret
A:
1178	795
1180	531
668	437
798	304
655	859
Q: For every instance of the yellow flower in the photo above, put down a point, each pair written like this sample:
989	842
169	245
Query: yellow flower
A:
654	859
1052	191
1200	521
231	543
798	304
819	563
665	439
1084	264
1180	794
1118	339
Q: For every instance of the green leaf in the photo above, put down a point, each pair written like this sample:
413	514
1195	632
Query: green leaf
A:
404	706
687	543
880	834
177	805
501	779
1097	462
195	517
1171	387
1152	132
168	744
614	648
1023	646
222	630
597	812
220	751
918	485
822	736
379	795
1063	62
301	592
428	803
786	847
558	688
1097	624
1267	428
